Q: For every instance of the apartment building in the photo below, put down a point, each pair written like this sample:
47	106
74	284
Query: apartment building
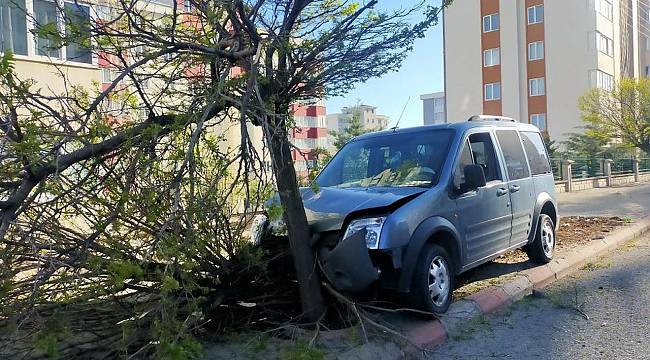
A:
368	116
433	108
34	59
533	59
309	133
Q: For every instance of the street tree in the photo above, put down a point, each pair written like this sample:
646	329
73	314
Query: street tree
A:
621	114
131	187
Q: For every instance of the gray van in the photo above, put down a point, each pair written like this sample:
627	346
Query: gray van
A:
409	209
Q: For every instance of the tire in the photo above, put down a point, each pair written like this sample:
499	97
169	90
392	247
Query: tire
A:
433	257
541	250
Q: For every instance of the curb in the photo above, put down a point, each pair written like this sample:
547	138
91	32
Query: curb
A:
430	334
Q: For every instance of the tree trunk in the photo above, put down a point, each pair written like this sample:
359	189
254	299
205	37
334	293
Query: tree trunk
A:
313	304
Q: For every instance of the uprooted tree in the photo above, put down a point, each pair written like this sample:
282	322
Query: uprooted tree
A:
132	191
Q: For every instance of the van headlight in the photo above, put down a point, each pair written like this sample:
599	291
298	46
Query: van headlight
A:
373	230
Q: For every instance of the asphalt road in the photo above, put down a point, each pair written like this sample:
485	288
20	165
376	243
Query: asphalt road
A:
602	312
631	200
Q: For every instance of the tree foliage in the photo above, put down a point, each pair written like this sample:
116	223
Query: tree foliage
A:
620	114
592	145
551	147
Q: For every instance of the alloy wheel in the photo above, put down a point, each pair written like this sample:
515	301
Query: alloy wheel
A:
439	281
548	238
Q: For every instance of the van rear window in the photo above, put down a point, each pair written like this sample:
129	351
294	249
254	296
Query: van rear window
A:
536	152
513	154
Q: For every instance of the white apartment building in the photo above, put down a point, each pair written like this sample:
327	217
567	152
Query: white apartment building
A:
433	108
368	116
533	59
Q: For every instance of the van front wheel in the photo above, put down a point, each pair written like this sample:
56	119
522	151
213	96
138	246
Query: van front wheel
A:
433	281
541	249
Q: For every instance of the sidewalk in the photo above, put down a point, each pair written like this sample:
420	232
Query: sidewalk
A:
630	200
613	294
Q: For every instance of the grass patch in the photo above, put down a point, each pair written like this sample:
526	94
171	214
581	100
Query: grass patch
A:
302	351
473	325
260	343
599	265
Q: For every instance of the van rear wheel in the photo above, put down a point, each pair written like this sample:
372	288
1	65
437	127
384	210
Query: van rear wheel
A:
541	249
433	281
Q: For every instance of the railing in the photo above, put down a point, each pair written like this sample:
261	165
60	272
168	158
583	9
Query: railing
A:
644	164
568	171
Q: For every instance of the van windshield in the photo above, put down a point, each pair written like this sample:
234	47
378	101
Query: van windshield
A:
391	160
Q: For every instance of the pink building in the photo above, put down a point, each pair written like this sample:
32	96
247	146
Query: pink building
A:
309	133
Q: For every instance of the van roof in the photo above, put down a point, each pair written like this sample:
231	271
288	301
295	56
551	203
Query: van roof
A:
458	126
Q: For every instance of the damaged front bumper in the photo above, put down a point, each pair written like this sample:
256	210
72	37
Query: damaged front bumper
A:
348	266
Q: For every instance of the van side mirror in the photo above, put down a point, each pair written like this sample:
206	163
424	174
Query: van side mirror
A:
474	177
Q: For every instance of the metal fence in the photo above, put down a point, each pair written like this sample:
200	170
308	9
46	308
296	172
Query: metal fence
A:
644	164
584	168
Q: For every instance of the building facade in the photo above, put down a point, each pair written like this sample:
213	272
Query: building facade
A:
310	133
433	108
368	116
533	59
54	71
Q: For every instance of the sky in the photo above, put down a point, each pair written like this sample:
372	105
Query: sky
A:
421	73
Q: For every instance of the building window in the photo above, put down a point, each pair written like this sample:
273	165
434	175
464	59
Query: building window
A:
492	91
104	12
107	76
539	120
78	18
187	5
536	50
74	18
13	27
605	8
535	14
604	44
491	57
537	87
45	15
491	22
602	80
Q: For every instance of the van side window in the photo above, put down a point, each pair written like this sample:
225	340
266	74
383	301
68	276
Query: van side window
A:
478	150
484	155
514	154
536	152
464	160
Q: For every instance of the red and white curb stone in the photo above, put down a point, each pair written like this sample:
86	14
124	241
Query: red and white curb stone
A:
429	334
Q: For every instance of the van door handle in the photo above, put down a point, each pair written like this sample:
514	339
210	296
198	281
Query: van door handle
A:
514	188
502	191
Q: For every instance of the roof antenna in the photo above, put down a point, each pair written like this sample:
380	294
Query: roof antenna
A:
402	114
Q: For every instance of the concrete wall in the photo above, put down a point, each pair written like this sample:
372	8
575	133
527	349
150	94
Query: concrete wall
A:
570	27
48	78
513	50
599	182
463	60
